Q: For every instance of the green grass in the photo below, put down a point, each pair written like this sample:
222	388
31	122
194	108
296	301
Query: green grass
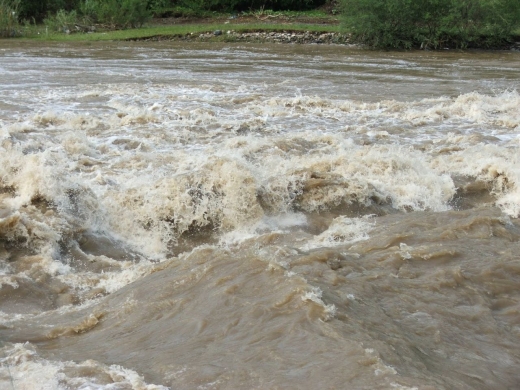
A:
40	33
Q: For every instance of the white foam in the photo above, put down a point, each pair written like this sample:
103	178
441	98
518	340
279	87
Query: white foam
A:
8	280
268	224
489	163
108	282
342	231
314	295
22	368
331	170
142	196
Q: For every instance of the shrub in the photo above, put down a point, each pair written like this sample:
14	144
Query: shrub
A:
157	7
117	14
8	17
62	21
39	9
431	23
285	5
243	5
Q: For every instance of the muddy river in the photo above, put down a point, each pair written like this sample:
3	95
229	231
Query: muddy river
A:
234	216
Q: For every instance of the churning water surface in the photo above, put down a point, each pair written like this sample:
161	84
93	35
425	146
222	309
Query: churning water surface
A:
207	216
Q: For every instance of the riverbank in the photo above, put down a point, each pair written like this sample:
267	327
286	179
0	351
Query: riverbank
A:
184	28
280	28
284	34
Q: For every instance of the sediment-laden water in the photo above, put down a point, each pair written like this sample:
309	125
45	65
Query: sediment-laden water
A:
258	217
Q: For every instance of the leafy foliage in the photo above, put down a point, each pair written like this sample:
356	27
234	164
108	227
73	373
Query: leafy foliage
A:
136	11
63	21
8	17
431	23
39	9
236	5
116	14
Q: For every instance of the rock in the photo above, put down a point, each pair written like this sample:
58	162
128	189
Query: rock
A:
217	32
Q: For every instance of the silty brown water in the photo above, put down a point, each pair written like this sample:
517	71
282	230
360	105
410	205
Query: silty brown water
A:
268	216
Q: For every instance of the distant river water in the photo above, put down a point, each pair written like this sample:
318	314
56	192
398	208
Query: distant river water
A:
210	216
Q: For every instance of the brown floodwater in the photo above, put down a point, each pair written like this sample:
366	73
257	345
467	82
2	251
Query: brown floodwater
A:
235	216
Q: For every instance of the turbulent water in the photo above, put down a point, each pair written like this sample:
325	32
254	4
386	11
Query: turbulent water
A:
258	217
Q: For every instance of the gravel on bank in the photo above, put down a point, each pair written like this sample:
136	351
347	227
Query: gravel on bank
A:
296	37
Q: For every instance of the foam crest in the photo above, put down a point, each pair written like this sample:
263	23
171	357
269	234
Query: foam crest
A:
45	202
149	188
314	295
66	120
23	368
319	172
492	164
107	282
401	175
268	224
342	231
215	194
76	144
499	110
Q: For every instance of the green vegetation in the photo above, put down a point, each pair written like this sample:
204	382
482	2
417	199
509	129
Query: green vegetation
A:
8	18
111	14
38	32
431	23
67	16
388	24
238	5
63	21
117	14
38	10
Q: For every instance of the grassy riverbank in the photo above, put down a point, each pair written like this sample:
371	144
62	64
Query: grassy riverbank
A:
199	27
41	33
312	21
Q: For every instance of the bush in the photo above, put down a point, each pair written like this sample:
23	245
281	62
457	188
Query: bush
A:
285	5
431	23
8	17
244	5
157	7
63	21
117	14
39	9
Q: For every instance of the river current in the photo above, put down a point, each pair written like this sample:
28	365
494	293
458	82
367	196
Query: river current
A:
233	216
